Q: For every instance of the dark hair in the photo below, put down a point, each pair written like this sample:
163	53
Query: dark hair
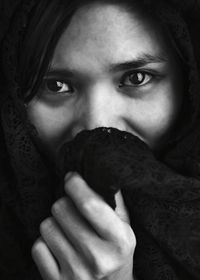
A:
48	20
47	23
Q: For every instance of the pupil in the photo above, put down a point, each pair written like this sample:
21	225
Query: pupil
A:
54	85
137	78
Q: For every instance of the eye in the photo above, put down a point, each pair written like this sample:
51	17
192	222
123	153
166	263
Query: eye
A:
136	79
57	86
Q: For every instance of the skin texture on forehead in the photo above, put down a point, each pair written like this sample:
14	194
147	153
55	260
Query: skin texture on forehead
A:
98	22
96	30
90	53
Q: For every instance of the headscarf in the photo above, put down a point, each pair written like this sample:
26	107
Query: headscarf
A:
159	216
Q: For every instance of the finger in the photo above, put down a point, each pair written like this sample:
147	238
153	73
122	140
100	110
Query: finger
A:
72	265
100	255
55	240
121	208
83	237
98	213
45	261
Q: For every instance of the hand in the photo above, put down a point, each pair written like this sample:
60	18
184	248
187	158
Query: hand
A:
85	239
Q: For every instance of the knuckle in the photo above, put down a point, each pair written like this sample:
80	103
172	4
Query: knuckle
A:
126	244
103	264
132	241
90	205
103	268
47	226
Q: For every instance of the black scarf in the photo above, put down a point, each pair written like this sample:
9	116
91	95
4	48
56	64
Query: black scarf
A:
162	193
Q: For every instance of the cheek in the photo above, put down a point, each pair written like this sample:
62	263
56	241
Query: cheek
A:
163	122
51	123
156	116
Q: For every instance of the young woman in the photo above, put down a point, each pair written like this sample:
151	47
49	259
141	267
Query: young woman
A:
72	66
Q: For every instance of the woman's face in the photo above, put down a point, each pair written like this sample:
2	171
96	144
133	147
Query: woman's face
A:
110	68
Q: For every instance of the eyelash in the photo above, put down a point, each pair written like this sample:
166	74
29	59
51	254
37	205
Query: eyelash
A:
143	75
59	83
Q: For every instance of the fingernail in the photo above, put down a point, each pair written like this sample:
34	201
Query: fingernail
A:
68	175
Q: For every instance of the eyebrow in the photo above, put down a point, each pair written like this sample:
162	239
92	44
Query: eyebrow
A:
139	62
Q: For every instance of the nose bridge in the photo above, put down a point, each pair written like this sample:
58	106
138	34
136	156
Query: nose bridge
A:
97	107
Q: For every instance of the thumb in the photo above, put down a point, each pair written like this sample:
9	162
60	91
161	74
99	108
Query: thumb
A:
121	208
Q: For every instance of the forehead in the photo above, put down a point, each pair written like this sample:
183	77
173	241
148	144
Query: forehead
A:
103	34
